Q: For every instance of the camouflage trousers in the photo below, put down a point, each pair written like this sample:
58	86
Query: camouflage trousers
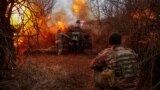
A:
60	47
129	83
122	84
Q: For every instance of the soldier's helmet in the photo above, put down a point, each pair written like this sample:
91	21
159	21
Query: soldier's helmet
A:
78	21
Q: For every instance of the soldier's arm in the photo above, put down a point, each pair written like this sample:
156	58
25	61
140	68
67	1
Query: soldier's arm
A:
100	58
65	35
133	52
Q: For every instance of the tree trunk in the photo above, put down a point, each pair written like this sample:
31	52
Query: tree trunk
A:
6	32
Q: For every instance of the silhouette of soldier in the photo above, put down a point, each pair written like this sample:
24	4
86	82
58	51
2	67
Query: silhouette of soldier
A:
59	41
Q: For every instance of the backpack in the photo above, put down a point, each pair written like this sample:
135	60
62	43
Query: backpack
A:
108	77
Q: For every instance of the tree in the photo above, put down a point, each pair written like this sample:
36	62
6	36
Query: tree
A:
138	19
40	11
7	50
6	31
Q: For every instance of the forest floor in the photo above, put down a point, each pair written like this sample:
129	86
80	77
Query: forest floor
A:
51	72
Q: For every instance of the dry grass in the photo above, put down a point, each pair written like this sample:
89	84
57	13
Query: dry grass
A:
49	72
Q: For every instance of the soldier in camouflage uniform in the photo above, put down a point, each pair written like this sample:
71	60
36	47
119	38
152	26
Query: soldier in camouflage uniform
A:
121	60
59	41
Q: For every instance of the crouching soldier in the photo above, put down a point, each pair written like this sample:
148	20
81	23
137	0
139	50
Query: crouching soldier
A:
115	68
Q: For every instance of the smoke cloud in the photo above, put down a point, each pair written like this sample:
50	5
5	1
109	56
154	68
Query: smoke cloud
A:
63	11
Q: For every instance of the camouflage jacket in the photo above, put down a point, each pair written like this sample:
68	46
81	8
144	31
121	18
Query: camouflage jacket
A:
118	58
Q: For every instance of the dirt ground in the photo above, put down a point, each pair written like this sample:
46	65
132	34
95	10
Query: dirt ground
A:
51	72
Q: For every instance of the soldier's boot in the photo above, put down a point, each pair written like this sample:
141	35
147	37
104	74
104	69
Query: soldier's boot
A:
59	51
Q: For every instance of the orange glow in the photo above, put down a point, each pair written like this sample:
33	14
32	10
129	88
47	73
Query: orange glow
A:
61	25
31	27
25	24
79	6
76	9
18	42
20	16
147	13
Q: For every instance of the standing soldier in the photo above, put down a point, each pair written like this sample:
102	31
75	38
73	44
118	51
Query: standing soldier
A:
59	41
77	37
78	26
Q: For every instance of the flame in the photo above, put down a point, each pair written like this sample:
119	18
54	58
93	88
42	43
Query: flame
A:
78	5
21	20
76	9
80	8
20	15
147	13
24	22
61	25
18	42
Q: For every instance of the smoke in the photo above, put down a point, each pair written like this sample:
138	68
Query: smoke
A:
69	11
63	11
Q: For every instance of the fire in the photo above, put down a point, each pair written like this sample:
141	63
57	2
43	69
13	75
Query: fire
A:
76	9
79	8
20	16
28	26
18	42
25	22
78	5
61	25
147	13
